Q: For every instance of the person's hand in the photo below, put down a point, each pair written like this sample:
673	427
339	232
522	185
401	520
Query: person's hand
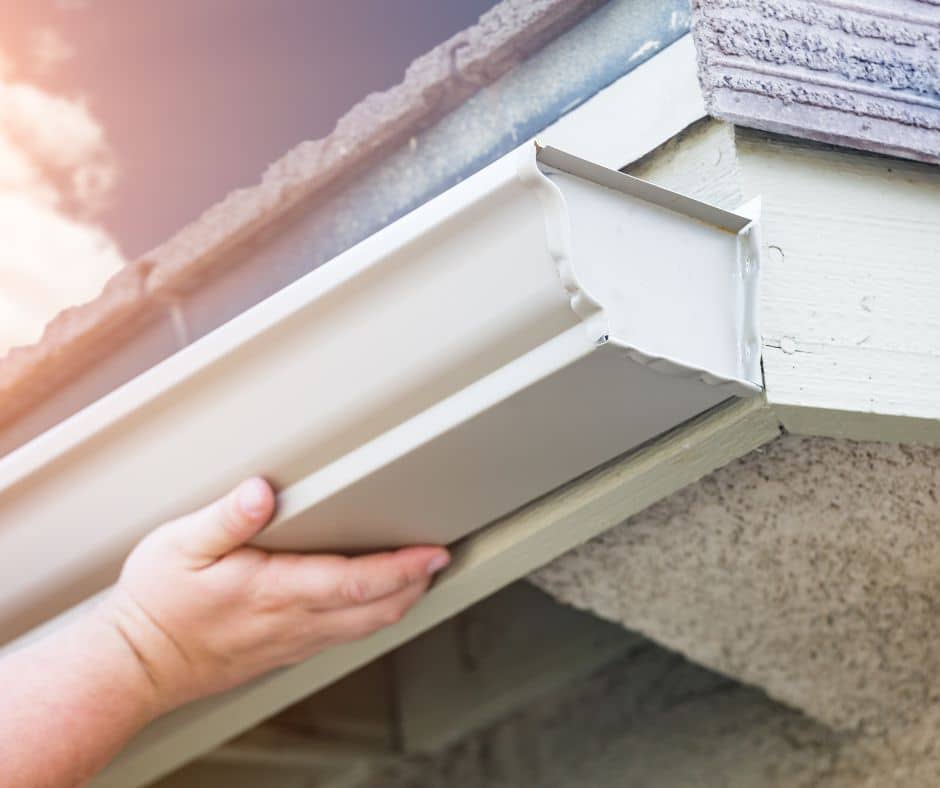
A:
203	612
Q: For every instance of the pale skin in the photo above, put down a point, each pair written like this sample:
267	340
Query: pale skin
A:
195	612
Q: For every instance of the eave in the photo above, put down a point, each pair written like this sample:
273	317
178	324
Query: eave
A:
471	357
857	342
509	549
483	563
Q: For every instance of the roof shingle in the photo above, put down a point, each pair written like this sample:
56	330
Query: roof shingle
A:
433	85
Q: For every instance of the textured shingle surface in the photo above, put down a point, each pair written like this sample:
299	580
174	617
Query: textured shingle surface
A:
433	86
864	74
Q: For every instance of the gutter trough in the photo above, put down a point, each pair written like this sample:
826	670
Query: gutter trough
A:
531	323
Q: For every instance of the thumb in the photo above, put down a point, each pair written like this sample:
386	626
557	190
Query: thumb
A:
222	526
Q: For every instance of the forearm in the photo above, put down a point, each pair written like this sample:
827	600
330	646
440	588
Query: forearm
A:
195	612
70	702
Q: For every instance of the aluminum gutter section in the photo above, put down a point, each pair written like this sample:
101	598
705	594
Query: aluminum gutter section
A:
542	317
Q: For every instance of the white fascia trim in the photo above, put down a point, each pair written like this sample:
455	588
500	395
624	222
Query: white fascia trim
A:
637	113
482	564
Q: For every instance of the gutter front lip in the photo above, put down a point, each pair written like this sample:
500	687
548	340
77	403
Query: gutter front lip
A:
732	221
537	342
197	357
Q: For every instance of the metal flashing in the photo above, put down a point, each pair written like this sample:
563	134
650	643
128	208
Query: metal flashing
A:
553	158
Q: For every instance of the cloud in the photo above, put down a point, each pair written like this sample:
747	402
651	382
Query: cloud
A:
50	49
56	174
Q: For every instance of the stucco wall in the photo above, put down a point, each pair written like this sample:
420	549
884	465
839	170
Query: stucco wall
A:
657	721
810	568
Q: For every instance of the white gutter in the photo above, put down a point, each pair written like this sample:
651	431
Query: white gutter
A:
616	126
482	564
533	322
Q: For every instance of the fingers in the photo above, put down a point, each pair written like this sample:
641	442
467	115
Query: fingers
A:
209	533
329	582
356	622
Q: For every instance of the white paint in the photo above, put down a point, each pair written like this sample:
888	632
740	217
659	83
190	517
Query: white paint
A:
851	289
637	113
851	276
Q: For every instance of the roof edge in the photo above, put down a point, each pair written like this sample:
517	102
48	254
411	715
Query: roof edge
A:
433	85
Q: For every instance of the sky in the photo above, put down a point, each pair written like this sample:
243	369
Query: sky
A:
122	120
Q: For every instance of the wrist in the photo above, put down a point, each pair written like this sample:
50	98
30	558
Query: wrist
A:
129	664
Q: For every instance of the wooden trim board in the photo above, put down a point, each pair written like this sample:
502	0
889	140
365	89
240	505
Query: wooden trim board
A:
484	563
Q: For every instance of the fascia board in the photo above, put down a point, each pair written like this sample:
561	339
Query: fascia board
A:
469	358
629	118
482	564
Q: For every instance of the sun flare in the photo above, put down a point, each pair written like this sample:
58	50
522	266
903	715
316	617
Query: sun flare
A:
56	173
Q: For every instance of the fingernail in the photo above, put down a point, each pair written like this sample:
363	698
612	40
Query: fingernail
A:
437	563
253	497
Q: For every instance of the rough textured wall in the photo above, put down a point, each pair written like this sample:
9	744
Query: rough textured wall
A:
865	74
657	721
810	568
